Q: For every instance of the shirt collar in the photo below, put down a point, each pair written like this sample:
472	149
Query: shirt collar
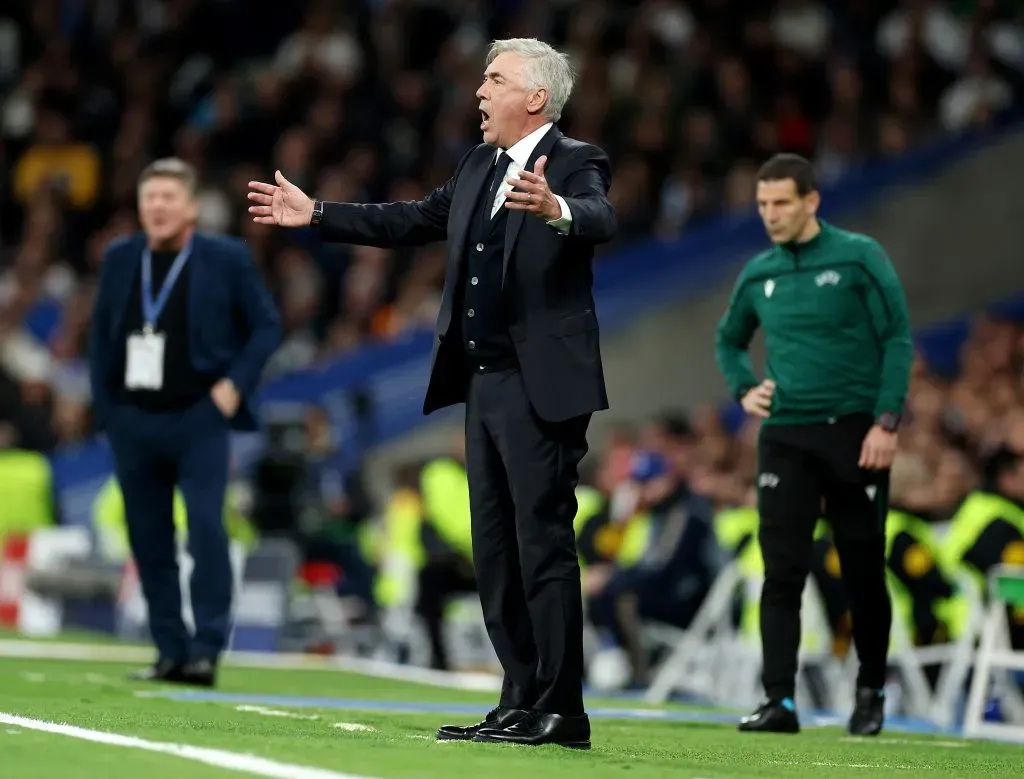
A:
521	151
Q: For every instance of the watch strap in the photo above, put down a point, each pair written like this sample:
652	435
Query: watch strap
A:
889	421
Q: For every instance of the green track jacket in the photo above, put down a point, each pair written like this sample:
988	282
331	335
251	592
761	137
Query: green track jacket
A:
836	328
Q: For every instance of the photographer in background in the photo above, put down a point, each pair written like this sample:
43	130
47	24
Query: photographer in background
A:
338	505
302	494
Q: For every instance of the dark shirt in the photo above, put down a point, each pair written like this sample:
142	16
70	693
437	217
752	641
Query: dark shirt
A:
183	386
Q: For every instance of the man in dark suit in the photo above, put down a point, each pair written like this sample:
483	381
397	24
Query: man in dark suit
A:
181	330
517	341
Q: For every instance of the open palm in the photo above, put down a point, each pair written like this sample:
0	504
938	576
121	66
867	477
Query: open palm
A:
283	204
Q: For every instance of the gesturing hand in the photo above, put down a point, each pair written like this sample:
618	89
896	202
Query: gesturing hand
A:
536	198
284	204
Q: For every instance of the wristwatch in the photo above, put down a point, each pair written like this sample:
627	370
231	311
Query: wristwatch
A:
889	422
318	213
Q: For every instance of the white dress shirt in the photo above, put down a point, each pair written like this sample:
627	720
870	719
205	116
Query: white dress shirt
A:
520	156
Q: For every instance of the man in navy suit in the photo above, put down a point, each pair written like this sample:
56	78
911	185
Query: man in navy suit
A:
181	330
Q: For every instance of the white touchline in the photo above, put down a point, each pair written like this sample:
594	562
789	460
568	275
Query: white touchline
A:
906	741
276	712
232	761
354	727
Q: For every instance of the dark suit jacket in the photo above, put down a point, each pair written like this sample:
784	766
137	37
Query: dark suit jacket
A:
547	275
234	326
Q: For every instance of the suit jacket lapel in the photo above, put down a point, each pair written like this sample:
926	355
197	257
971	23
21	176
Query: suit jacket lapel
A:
516	218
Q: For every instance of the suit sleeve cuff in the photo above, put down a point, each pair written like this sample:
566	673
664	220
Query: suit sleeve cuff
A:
564	222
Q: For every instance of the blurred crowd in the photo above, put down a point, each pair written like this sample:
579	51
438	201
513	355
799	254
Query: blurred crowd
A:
375	101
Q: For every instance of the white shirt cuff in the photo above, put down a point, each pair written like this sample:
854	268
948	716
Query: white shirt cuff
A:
563	222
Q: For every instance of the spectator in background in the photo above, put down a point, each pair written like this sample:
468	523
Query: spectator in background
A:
599	525
57	162
332	507
667	567
446	543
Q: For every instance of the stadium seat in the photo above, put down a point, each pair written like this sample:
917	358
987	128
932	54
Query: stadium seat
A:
995	658
680	670
713	660
953	658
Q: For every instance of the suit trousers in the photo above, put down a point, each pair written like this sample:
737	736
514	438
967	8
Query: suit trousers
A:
807	472
523	474
154	453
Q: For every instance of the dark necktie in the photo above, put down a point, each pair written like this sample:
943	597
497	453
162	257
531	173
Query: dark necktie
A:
500	169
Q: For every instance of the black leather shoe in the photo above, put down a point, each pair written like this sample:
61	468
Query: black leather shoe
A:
496	718
200	673
537	729
160	671
771	717
868	713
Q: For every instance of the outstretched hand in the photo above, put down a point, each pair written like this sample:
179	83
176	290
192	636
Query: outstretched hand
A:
535	198
283	204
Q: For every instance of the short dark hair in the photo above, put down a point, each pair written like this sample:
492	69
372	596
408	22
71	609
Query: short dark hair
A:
790	166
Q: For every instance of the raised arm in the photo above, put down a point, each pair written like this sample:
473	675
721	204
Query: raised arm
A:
407	223
410	223
586	195
581	208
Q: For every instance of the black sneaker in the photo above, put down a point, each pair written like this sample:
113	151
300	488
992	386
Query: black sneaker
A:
868	713
772	717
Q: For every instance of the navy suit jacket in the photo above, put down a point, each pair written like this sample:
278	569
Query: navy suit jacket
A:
234	326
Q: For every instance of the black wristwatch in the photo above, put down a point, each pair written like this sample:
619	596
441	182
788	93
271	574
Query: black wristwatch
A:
889	422
318	213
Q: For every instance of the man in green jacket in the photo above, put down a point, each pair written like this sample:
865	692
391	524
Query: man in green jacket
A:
839	351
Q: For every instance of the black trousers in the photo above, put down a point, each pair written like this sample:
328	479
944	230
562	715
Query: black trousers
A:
806	472
522	490
153	453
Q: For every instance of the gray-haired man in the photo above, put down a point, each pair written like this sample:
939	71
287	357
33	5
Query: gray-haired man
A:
517	341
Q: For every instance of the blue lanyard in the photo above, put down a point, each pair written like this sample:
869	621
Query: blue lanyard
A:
151	308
